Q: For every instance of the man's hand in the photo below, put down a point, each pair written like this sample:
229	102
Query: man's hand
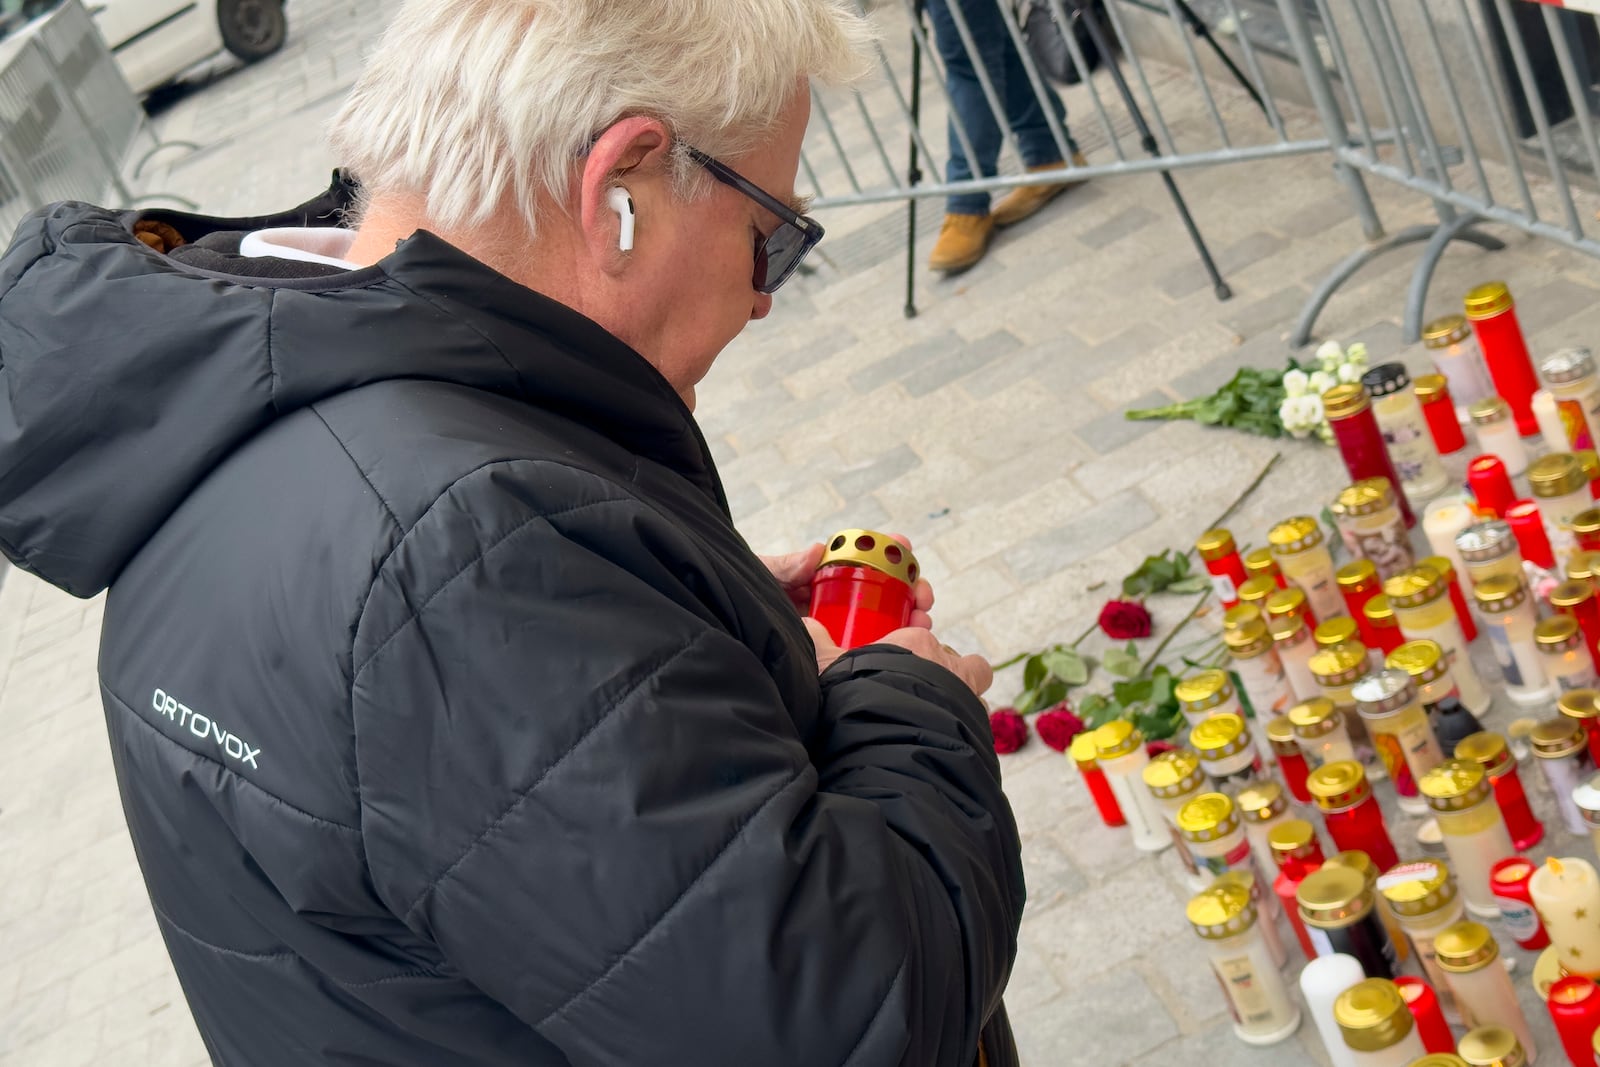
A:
974	671
794	572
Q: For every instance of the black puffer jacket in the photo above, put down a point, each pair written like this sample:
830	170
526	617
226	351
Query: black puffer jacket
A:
454	722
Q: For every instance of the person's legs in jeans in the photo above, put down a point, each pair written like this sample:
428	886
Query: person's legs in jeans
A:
968	105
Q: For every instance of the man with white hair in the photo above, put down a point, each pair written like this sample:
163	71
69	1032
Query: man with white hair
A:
454	722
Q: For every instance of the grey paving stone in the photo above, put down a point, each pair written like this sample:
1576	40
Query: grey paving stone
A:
859	480
1108	432
1052	878
1099	527
1187	276
1218	1045
1129	220
906	362
1554	302
973	356
1264	351
1105	1019
1268	314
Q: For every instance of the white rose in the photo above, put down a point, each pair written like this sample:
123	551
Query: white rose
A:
1357	354
1321	382
1350	373
1330	350
1295	382
1314	411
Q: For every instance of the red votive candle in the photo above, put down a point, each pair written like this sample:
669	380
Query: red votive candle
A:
1351	812
1424	1005
1578	600
1586	528
1491	486
1493	315
1348	409
1508	881
1358	583
863	588
1433	393
1082	752
1447	571
1488	750
1528	527
1223	563
1297	853
1575	1007
1291	758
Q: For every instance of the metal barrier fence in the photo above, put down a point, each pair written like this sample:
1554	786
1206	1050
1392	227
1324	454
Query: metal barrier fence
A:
1379	77
1413	63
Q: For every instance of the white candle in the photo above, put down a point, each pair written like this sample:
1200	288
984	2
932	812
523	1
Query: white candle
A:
1323	979
1445	518
1566	892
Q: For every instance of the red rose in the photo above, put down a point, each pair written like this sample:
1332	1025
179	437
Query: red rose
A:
1010	730
1122	619
1058	726
1155	748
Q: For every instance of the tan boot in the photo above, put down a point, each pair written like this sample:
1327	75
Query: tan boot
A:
963	239
1024	200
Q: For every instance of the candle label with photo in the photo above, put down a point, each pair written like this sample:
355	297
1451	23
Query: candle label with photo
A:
1230	861
1504	655
1519	918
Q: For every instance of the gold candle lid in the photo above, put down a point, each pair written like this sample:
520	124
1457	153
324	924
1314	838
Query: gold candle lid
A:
1384	691
1414	587
1499	594
1586	522
1438	1059
1441	566
1372	1015
1465	947
1444	332
1492	1046
1454	785
1289	630
1579	703
1583	566
1338	786
1561	473
1343	401
1489	411
1262	802
1556	738
1215	544
1116	739
1315	717
1219	737
1379	612
1299	534
1418	888
869	548
1488	300
1431	388
1082	750
1238	615
1364	497
1281	734
1255	590
1343	664
1290	601
1173	774
1484	542
1357	576
1487	749
1204	690
1557	634
1224	910
1292	839
1570	594
1247	640
1335	631
1422	659
1208	817
1259	561
1332	896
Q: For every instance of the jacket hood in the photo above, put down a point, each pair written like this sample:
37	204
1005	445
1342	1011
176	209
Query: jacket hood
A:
127	375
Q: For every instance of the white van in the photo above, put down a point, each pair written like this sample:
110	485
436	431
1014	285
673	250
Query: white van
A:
156	40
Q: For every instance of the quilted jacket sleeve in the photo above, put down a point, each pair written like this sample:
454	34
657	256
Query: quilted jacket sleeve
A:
594	800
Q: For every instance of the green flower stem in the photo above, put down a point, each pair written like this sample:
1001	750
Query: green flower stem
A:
1176	630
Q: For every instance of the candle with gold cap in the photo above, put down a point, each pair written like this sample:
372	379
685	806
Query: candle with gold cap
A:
1358	583
1337	669
1221	557
1362	864
1489	549
1295	854
1578	600
1287	603
1257	589
1583	566
1567	893
1489	751
1227	754
1263	806
1560	484
1174	778
1319	727
1229	924
1424	899
1560	748
1470	957
1424	661
1210	824
1475	835
1341	917
1377	1025
1564	655
1421	601
1493	1046
1450	572
1302	553
1260	563
1291	760
1383	625
1509	617
1083	754
1389	707
1582	706
1207	693
1331	633
1371	527
1260	672
1291	637
1119	749
1350	811
1493	315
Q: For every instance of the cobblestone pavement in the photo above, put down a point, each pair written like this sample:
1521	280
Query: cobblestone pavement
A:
989	429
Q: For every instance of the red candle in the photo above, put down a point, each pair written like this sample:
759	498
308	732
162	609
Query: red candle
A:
1489	751
1291	758
1586	528
1580	704
1424	1005
1433	393
1358	583
1447	571
1528	526
1508	881
1578	600
864	587
1083	754
1222	560
1493	315
1491	486
1348	409
1575	1007
1297	853
1351	811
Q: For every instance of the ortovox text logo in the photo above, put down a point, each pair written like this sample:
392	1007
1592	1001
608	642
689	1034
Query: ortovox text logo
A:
203	726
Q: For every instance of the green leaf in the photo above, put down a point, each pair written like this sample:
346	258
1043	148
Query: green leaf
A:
1192	584
1050	694
1033	672
1067	665
1129	693
1122	663
1161	688
1028	702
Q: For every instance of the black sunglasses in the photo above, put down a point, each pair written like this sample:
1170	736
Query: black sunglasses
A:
779	254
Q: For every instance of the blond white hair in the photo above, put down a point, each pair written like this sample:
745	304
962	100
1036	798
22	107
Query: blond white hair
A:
468	102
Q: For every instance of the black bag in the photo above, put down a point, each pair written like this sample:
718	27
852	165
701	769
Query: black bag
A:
1047	45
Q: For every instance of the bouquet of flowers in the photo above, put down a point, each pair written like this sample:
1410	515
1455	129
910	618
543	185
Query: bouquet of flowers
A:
1301	410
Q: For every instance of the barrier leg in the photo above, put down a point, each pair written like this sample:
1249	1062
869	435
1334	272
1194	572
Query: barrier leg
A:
913	169
1457	229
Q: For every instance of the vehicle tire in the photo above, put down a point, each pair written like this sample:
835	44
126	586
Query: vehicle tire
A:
252	29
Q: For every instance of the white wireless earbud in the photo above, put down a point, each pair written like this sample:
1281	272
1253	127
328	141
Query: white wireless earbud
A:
619	200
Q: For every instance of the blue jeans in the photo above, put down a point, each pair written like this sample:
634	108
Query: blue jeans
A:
1011	85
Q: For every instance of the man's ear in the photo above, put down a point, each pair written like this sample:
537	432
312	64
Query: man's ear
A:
635	152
